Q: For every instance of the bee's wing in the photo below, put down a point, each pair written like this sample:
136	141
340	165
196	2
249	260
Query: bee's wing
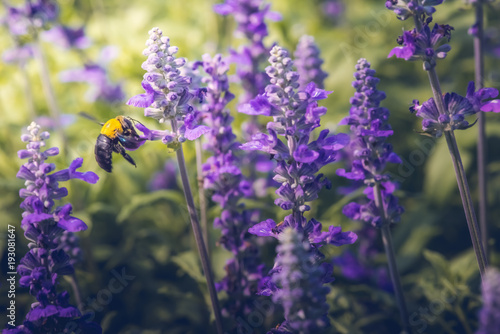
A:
89	117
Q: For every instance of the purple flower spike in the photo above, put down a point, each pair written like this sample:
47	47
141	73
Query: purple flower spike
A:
368	150
101	87
425	45
168	94
49	231
457	109
223	178
309	63
33	16
409	8
299	159
300	285
67	38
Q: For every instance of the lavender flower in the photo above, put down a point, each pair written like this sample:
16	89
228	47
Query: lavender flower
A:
370	154
222	176
408	8
164	179
424	44
421	43
360	266
457	108
308	63
95	74
18	55
30	17
296	114
44	227
250	16
301	290
167	96
370	129
489	316
67	37
333	9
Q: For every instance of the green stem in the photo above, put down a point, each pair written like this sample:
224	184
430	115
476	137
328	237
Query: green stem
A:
459	170
76	289
205	261
463	186
391	259
470	215
49	91
201	193
481	140
28	93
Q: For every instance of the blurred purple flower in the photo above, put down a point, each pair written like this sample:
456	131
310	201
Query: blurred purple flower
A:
489	316
165	179
308	63
333	8
95	74
18	55
30	17
300	281
67	38
409	8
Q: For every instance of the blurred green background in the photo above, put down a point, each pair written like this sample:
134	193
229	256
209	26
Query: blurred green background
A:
148	233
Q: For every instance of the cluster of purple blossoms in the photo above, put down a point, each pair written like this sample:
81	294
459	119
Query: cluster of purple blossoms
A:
67	37
23	23
360	266
222	176
44	227
168	95
250	16
308	63
457	108
30	17
96	75
424	44
295	115
489	316
301	290
408	8
369	149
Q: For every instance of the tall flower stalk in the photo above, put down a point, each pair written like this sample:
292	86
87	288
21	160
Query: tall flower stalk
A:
25	23
223	178
167	99
477	31
370	154
296	114
442	114
45	227
308	63
250	60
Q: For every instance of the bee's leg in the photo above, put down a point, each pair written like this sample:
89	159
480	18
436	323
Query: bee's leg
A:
121	150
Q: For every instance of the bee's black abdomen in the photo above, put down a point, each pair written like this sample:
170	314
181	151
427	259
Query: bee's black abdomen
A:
103	151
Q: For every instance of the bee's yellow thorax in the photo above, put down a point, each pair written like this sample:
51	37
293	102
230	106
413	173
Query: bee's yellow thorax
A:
111	128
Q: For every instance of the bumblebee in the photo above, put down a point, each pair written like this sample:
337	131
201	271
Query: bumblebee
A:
116	135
